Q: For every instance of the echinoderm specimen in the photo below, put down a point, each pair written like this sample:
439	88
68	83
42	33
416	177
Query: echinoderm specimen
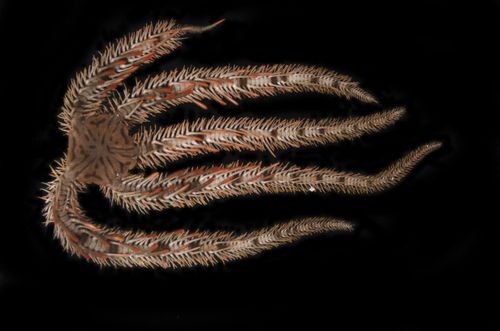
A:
98	113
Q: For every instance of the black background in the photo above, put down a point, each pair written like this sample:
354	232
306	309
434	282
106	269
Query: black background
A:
424	255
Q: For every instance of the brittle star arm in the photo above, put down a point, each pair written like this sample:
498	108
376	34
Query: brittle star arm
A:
119	60
228	84
158	147
200	185
109	246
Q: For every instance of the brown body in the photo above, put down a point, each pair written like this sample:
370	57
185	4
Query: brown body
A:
98	114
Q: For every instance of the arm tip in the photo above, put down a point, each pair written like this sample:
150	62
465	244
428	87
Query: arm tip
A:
200	29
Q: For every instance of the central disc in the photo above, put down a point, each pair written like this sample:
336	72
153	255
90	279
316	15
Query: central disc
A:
100	149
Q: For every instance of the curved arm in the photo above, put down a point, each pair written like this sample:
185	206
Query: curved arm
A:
158	147
199	186
119	60
229	84
108	246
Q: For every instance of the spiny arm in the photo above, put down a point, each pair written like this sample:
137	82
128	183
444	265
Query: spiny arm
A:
199	186
229	84
188	139
108	246
119	60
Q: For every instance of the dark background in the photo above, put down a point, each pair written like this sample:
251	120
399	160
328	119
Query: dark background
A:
424	255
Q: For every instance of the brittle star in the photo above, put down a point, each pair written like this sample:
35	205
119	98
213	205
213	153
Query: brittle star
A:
98	114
